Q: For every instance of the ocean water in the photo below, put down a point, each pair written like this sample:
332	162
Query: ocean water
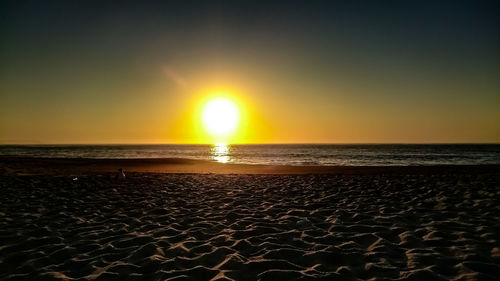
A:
279	154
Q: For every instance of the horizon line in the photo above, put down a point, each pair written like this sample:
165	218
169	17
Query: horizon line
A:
290	143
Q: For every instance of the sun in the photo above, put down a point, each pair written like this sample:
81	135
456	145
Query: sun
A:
220	117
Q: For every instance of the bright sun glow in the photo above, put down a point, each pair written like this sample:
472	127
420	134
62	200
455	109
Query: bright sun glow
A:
220	117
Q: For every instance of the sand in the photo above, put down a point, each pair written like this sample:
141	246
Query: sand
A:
437	223
76	166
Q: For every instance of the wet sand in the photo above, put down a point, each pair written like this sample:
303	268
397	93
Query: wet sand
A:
78	166
410	223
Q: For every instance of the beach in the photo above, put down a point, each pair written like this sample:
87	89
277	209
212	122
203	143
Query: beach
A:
179	219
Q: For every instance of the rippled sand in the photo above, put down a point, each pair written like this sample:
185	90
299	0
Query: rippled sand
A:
250	227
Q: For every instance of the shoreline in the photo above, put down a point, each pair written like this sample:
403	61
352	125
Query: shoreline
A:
36	165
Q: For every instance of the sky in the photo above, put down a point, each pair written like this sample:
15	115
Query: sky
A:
85	72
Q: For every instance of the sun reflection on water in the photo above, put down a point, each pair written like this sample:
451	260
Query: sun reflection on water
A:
220	152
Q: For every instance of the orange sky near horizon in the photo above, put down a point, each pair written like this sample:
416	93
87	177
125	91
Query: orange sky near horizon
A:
156	117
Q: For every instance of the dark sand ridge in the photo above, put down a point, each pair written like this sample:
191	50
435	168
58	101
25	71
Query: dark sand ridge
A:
29	165
416	223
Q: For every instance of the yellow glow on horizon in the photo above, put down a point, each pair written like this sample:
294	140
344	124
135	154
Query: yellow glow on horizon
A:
220	117
192	126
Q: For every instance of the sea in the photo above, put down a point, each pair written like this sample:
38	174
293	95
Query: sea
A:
280	154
